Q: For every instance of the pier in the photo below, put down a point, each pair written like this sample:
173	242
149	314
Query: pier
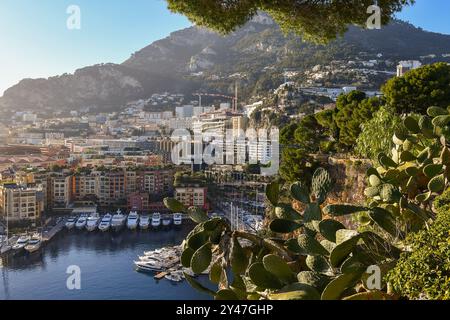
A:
50	231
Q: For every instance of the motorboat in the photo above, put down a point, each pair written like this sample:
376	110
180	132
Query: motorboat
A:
92	222
149	266
144	222
118	220
81	222
177	219
189	272
149	257
174	276
21	242
166	222
70	222
133	220
34	244
156	220
5	247
105	223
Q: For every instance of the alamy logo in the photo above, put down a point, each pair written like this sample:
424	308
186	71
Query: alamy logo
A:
74	280
374	279
374	21
74	19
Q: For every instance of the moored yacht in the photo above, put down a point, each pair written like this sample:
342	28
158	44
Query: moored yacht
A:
5	247
177	219
105	223
34	244
21	242
156	220
118	220
133	220
70	222
149	265
81	222
144	222
92	222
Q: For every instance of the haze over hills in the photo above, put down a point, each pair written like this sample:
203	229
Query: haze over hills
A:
257	54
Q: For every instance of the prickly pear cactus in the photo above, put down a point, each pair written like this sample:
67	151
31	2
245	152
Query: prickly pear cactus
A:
406	183
325	261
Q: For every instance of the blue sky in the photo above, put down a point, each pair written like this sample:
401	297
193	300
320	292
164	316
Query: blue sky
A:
35	42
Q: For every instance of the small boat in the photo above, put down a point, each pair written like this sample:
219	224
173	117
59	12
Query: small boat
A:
149	266
118	220
144	222
70	223
81	222
166	222
34	244
156	220
160	275
5	248
176	277
149	257
177	219
189	272
105	223
92	222
21	242
133	220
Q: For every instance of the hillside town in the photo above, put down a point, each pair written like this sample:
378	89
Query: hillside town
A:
124	159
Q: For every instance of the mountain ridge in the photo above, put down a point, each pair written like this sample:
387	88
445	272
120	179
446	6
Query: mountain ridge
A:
257	54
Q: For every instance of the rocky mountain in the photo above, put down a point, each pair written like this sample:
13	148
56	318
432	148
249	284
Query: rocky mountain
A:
103	87
259	55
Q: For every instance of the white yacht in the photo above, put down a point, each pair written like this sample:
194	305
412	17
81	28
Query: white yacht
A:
133	220
92	222
118	220
175	276
34	244
156	220
21	242
5	247
177	219
144	222
105	223
149	265
81	222
70	222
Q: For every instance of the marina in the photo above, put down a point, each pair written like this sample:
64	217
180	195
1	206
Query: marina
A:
106	263
89	221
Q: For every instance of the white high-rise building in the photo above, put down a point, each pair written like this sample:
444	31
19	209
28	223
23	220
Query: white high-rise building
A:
405	66
186	111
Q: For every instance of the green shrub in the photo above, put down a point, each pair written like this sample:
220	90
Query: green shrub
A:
442	201
424	272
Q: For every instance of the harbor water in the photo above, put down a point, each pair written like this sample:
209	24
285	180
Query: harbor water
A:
106	264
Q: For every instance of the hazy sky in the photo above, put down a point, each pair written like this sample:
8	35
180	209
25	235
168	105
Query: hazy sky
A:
35	41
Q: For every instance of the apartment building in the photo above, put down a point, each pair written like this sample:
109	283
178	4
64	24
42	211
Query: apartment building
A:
35	179
192	196
19	203
155	181
84	185
112	188
139	201
60	191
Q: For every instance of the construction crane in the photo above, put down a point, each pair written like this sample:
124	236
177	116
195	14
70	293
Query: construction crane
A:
234	99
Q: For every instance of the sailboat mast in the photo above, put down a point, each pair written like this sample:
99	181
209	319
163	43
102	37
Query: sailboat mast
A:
7	228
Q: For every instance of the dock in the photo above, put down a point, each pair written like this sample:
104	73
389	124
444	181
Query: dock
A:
49	232
161	275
